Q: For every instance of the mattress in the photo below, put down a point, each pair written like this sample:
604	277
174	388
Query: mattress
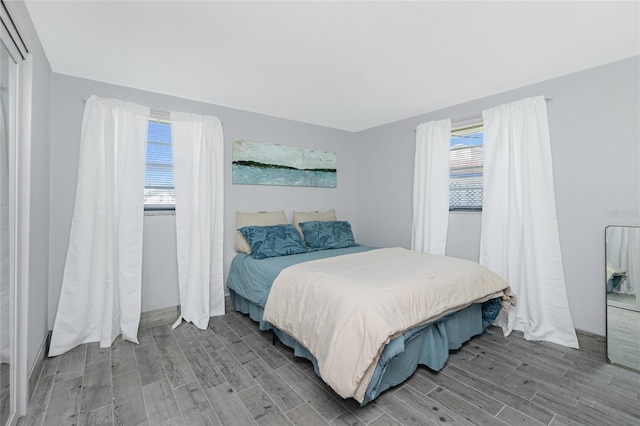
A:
252	278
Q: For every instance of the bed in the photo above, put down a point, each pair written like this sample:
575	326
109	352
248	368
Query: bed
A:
615	277
312	299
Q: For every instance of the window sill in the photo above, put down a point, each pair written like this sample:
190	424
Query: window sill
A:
466	211
160	212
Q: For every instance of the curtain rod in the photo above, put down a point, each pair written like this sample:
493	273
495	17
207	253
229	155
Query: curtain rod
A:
154	114
478	117
160	114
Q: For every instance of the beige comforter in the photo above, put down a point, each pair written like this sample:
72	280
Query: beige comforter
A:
345	309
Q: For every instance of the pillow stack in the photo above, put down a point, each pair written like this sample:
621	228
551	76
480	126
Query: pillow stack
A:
328	216
255	219
273	241
327	235
267	234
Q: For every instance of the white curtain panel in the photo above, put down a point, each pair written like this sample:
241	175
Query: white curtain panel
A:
198	167
520	240
101	286
633	257
622	253
431	187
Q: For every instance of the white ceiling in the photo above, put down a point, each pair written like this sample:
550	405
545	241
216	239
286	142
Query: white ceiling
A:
346	65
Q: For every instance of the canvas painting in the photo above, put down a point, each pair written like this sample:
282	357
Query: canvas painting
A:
262	163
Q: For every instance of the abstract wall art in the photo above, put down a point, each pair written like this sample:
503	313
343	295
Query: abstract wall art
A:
262	163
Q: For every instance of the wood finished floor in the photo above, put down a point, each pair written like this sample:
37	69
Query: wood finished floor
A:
4	393
231	374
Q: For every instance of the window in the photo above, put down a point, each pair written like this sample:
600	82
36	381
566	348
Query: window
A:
158	175
465	165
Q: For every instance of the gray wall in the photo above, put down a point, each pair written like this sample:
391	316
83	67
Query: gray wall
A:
160	288
595	138
595	146
39	193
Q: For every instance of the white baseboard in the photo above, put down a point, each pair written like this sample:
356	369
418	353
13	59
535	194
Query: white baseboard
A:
159	316
34	374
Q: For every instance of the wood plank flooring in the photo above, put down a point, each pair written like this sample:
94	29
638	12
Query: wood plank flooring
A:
4	393
623	328
230	374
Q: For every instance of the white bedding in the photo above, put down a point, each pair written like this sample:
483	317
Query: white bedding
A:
345	309
612	271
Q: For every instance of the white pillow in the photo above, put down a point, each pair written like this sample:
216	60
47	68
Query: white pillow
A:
328	216
255	219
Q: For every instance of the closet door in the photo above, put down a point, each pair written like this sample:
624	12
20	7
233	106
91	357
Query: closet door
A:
14	218
7	234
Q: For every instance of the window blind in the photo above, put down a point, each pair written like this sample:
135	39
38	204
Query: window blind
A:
158	178
465	163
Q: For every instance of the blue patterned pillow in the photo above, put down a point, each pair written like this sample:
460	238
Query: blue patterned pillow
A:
327	235
272	241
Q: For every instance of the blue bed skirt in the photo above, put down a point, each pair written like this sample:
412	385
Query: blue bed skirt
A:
613	283
428	344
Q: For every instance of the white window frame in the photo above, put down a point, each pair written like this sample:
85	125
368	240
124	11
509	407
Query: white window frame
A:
159	208
461	129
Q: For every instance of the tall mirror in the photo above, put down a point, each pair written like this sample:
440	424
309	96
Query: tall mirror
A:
622	244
